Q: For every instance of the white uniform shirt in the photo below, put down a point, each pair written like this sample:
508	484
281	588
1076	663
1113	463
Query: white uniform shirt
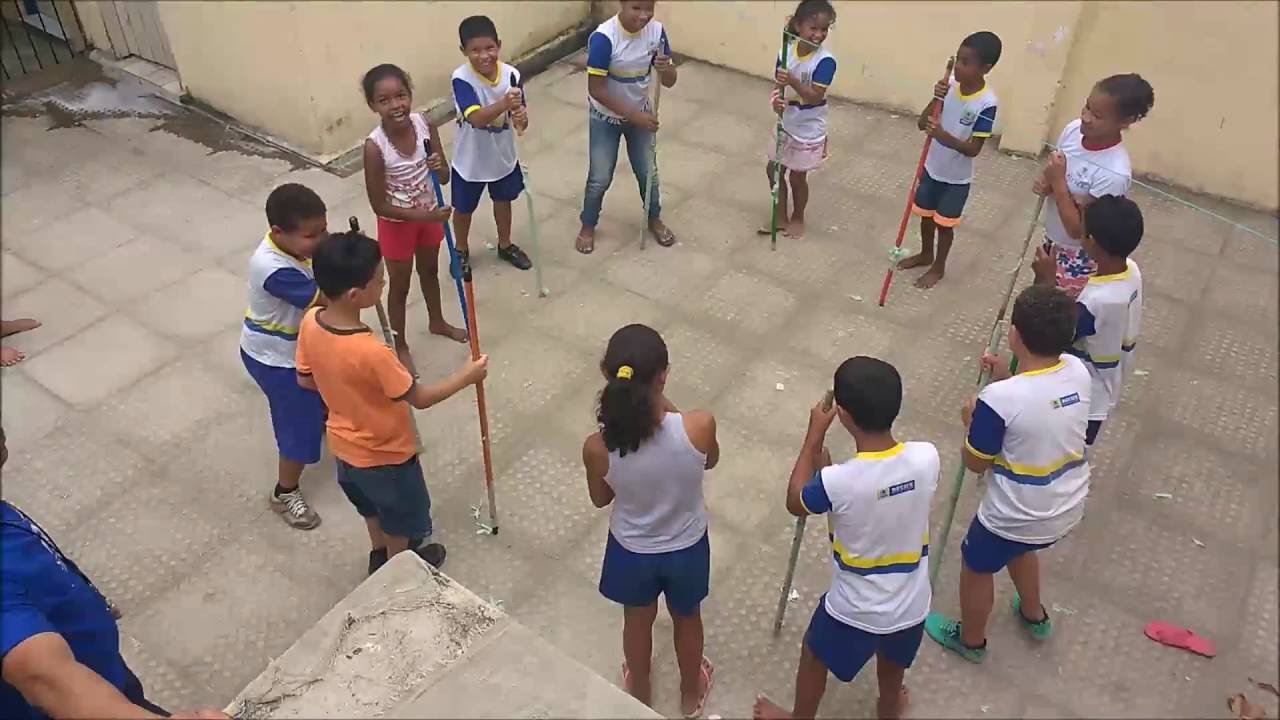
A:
1090	174
281	288
962	116
626	61
407	176
1108	316
1032	426
808	123
877	507
489	153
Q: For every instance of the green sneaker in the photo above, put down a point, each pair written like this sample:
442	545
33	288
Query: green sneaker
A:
1039	630
946	632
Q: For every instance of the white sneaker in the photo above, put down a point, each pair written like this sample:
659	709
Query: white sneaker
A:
294	510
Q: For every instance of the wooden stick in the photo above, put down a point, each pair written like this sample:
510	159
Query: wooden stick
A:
474	334
777	150
911	193
796	541
653	166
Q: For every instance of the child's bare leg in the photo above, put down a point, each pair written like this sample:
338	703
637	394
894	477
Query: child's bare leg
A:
462	231
689	646
399	275
767	228
502	219
428	262
977	595
377	539
811	684
10	327
1024	570
939	266
637	648
799	201
925	256
395	544
893	695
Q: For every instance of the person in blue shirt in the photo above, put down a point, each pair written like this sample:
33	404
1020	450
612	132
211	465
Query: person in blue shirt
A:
59	643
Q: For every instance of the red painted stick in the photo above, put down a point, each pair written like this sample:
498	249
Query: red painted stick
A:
911	193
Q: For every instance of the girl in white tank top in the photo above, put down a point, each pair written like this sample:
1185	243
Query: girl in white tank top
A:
647	463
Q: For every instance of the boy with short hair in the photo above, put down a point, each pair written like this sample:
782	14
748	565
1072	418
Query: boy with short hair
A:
877	507
967	119
1109	308
281	288
488	96
1029	430
369	394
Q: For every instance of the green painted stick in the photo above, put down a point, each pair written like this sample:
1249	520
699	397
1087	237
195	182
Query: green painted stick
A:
935	561
777	151
653	166
797	540
539	289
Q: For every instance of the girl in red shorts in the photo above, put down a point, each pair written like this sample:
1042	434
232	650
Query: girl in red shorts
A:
397	179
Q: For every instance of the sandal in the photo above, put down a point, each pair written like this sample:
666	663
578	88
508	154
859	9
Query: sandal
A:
666	238
1166	633
585	245
709	676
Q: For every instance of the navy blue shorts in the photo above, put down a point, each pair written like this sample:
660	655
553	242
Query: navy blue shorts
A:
395	494
941	201
465	194
297	414
844	649
985	552
1091	432
637	579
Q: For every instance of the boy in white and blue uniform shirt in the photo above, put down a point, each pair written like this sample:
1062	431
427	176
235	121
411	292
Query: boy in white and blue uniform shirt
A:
967	119
622	55
877	507
281	288
1029	431
1109	307
488	97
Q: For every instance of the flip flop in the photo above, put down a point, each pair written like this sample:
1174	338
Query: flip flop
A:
1166	633
666	238
626	677
586	246
709	672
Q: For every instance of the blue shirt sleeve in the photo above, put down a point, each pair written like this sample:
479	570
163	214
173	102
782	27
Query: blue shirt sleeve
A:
599	54
465	97
814	495
825	72
1085	322
986	432
985	123
292	287
19	617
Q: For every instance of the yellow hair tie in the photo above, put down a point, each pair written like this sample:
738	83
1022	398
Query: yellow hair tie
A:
625	372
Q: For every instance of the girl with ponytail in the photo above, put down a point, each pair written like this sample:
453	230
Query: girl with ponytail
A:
647	462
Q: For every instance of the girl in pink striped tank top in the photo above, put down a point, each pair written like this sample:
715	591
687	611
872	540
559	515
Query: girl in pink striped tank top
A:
397	178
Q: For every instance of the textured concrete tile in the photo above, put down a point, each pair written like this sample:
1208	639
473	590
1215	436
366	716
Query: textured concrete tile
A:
164	685
748	301
593	312
551	120
748	487
65	478
17	275
134	269
728	134
31	410
451	440
114	172
331	188
1243	293
1247	249
73	239
119	350
1165	221
1258	635
211	300
1173	271
754	402
560	173
702	364
544	488
733	228
1241	350
1228	413
61	309
178	208
836	328
662	274
527	370
1165	322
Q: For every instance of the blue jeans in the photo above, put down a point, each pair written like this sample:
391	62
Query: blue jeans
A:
604	137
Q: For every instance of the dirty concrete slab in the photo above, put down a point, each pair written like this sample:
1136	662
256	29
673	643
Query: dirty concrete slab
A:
133	401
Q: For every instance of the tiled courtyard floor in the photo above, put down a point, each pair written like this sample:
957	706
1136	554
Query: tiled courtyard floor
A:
145	449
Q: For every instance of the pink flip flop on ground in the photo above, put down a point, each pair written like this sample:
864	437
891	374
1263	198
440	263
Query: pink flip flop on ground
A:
1166	633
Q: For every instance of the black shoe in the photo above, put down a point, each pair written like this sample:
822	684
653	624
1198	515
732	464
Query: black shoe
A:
432	553
377	558
514	255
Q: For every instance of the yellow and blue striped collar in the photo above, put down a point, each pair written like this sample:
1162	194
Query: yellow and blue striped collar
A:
1042	371
880	454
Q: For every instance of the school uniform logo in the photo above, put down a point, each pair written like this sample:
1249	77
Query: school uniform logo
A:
969	117
1066	401
898	489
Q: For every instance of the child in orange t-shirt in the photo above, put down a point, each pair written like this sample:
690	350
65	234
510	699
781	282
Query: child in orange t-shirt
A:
369	393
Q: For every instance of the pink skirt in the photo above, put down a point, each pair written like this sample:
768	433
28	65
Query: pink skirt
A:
798	155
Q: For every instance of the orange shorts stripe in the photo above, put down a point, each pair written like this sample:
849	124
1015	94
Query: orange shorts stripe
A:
917	210
945	222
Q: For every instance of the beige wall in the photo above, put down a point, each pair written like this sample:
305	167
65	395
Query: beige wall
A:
1213	65
293	68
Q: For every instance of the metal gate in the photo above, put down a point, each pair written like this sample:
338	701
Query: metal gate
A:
37	34
134	28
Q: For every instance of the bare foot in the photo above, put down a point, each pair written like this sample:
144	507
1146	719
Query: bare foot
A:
406	358
766	709
661	233
784	228
795	229
691	704
586	241
11	327
443	328
931	278
10	356
917	260
903	699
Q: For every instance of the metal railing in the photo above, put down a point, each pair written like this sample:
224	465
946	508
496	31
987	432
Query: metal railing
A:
35	34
